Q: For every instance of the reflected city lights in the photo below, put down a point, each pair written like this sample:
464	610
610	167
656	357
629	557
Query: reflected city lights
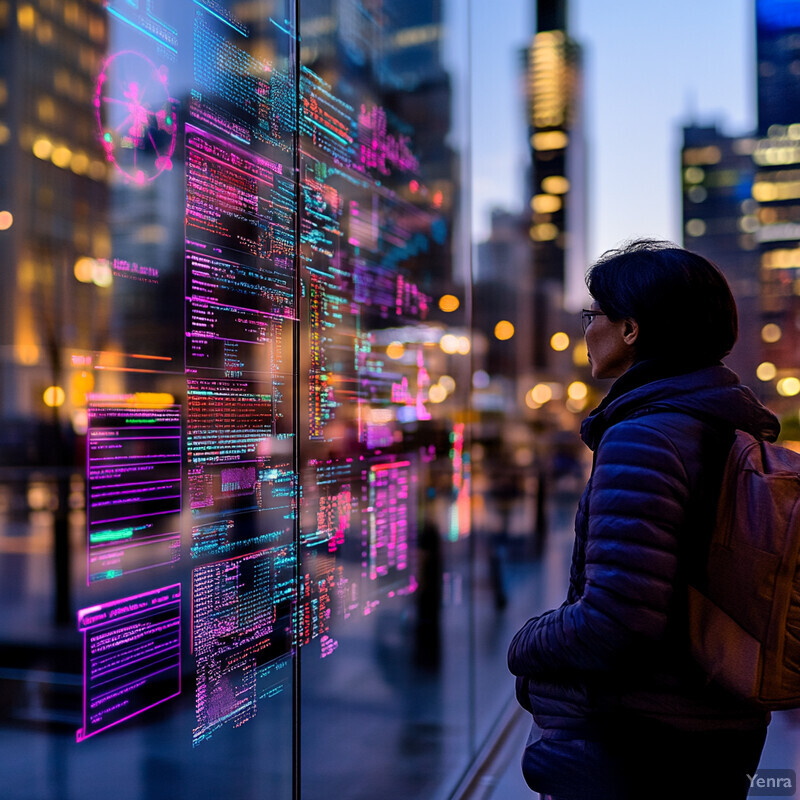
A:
504	330
83	269
61	156
580	355
79	164
448	383
449	302
26	17
395	350
80	421
782	258
788	387
449	343
576	406
27	354
437	393
766	371
54	396
481	379
42	148
531	403
577	390
94	270
541	393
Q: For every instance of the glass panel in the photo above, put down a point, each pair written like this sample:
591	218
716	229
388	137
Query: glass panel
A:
237	371
150	489
385	381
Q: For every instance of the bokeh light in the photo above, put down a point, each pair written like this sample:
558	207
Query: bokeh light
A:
504	330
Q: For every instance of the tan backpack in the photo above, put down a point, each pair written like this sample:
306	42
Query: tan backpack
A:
745	617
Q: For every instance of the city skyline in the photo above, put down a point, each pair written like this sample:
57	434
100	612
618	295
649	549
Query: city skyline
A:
656	67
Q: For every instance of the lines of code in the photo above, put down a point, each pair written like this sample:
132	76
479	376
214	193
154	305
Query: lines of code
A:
134	488
295	524
322	589
241	635
326	120
225	70
227	420
391	527
131	656
236	199
369	229
139	15
240	428
236	509
236	317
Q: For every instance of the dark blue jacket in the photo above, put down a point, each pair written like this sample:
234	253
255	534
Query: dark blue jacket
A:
618	646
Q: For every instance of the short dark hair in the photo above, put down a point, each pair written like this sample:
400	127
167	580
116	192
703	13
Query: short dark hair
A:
681	300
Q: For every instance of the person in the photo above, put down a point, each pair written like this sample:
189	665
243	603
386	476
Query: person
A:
620	709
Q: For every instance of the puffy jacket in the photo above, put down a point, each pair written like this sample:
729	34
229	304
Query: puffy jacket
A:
619	644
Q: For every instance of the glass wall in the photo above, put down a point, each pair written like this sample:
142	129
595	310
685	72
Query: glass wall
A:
236	538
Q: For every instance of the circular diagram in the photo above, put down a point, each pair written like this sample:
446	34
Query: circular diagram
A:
136	116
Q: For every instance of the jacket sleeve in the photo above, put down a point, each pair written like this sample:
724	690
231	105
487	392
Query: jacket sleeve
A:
637	503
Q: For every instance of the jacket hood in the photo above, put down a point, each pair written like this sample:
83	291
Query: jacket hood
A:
713	394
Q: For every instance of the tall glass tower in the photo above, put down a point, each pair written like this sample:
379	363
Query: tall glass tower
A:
556	139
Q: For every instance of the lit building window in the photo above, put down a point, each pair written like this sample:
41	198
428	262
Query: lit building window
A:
555	184
549	140
702	155
695	227
694	175
546	203
26	17
545	232
697	194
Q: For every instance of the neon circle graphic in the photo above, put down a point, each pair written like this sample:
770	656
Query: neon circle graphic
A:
136	116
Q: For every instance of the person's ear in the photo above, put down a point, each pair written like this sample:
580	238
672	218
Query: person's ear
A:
630	331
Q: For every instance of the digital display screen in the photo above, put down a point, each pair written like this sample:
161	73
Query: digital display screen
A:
133	488
132	657
287	234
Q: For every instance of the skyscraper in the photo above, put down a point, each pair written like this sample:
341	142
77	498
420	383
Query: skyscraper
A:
741	207
776	188
778	62
554	95
720	221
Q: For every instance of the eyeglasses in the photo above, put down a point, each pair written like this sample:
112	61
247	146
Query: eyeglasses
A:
588	315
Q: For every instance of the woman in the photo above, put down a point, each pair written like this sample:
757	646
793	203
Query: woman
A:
621	711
